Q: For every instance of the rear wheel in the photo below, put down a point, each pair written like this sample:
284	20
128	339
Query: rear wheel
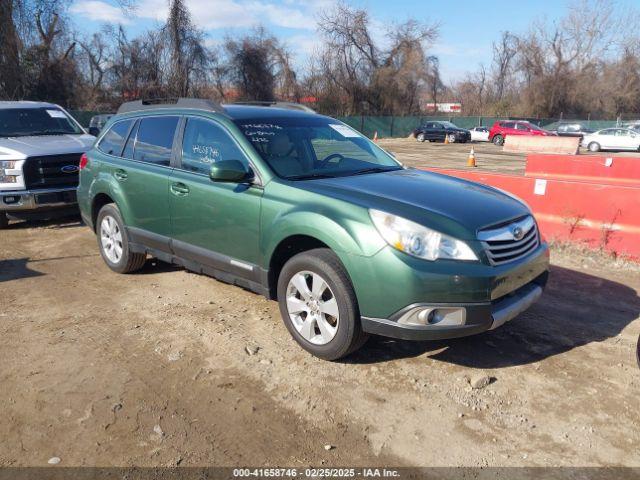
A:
420	137
114	242
498	140
594	147
4	220
452	138
318	304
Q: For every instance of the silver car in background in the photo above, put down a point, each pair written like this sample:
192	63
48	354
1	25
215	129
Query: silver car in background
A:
612	139
40	150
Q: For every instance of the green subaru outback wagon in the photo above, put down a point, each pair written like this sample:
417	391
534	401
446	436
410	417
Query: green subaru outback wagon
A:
303	209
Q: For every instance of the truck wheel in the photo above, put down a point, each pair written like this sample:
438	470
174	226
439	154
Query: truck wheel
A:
4	220
318	304
114	242
498	140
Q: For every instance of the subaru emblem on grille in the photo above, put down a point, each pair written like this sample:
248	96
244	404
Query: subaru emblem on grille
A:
69	169
518	233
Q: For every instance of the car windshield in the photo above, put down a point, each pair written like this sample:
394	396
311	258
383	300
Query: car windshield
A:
22	122
314	147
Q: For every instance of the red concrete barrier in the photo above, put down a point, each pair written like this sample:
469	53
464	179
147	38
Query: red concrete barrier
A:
541	144
596	169
605	216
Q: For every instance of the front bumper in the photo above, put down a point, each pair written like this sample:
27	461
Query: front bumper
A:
477	317
30	200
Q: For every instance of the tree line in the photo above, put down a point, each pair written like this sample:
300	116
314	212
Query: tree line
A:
588	62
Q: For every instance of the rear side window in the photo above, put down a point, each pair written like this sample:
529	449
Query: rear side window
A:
113	140
155	139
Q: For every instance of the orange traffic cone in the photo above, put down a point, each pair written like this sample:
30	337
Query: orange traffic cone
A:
471	161
375	136
446	139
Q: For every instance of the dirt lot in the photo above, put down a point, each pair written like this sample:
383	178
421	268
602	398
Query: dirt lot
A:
151	369
488	156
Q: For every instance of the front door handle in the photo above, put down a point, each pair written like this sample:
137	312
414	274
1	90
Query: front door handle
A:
179	189
120	174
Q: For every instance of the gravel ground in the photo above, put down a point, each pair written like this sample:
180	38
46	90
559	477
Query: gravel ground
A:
165	367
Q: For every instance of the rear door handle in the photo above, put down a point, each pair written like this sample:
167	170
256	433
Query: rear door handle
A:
179	189
120	174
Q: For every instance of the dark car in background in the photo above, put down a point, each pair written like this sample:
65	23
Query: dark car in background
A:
437	131
573	129
97	123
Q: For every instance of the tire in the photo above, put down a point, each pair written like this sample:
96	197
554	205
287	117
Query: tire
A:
594	147
324	335
498	140
452	138
110	230
4	220
420	137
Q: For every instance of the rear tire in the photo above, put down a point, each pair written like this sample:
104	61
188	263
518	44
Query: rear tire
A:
498	140
4	220
113	242
594	147
420	137
310	285
452	138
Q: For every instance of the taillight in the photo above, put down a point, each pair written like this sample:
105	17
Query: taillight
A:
83	161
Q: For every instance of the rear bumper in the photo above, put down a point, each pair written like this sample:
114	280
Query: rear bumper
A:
30	200
477	317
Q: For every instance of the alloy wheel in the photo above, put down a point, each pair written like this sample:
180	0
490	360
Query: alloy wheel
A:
312	307
111	239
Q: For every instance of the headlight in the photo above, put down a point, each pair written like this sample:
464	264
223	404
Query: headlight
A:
7	165
417	240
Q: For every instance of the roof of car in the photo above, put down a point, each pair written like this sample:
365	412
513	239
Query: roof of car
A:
26	104
241	112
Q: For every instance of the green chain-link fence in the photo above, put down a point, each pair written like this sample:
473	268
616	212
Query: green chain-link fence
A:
393	126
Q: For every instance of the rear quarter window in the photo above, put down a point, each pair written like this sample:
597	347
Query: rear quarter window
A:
114	139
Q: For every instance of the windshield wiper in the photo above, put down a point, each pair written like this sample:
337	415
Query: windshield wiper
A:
310	176
376	170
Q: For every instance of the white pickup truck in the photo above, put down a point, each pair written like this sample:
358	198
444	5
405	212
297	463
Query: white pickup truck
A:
40	149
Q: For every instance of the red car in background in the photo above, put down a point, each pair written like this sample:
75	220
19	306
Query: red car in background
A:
503	128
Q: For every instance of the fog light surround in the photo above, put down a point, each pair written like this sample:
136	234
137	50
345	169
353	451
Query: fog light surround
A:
427	316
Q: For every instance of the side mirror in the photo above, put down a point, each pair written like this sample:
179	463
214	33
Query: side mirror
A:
230	171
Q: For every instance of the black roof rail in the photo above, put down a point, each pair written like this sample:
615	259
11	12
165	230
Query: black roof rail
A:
277	104
155	103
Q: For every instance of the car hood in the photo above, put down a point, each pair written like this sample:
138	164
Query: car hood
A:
37	145
450	205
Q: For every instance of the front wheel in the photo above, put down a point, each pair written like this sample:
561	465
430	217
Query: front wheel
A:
452	138
420	137
498	140
594	147
318	304
113	242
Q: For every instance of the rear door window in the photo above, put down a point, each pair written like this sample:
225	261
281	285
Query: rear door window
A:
154	140
114	139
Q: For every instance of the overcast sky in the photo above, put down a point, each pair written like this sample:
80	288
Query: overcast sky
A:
467	27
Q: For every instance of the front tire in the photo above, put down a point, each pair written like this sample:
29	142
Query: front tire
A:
498	140
318	305
420	137
452	138
594	147
113	242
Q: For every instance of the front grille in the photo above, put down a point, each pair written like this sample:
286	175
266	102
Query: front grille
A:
51	171
501	244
